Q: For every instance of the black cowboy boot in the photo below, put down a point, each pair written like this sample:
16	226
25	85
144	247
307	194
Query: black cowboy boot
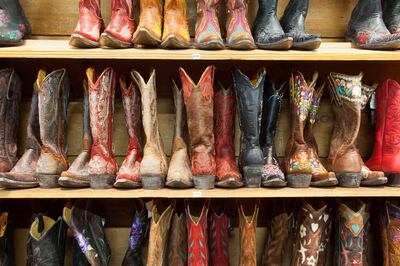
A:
391	15
249	98
272	175
267	31
367	30
6	240
17	16
293	21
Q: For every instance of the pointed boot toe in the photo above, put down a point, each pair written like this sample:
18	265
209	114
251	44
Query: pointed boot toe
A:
306	42
107	39
144	37
174	42
281	42
127	183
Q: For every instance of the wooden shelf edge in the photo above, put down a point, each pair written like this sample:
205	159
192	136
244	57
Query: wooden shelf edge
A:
193	193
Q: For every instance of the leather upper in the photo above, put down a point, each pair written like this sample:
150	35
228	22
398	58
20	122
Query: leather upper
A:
122	25
175	21
207	25
248	216
219	238
237	25
90	23
391	15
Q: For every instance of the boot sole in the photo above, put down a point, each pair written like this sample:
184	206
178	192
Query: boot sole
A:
153	182
178	183
102	181
211	45
126	183
393	179
204	182
242	45
393	45
284	44
308	45
65	181
9	183
174	43
376	182
252	175
328	182
109	41
82	42
351	180
8	44
48	181
299	180
230	182
277	183
143	37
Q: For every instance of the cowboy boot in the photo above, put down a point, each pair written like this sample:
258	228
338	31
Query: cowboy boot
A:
153	167
391	17
344	158
267	30
10	33
351	223
138	235
208	33
311	224
367	30
159	231
227	171
10	97
148	32
247	232
176	29
249	100
102	165
198	100
77	174
385	155
293	24
17	16
219	236
23	174
90	25
323	258
320	176
6	240
238	33
46	242
53	93
179	174
390	233
177	247
272	175
119	31
197	232
297	163
129	174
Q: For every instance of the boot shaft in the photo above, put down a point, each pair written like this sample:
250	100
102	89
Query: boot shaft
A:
91	6
248	216
293	19
177	247
268	6
122	6
87	135
391	15
390	223
219	238
6	240
367	9
313	117
180	113
33	140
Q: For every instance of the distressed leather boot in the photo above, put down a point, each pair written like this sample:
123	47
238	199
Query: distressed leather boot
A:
178	241
323	258
179	173
272	175
267	30
10	97
248	215
219	235
249	95
386	151
90	25
196	215
198	100
159	231
320	176
148	32
390	233
6	240
293	23
238	33
228	175
208	33
367	30
17	16
129	173
119	31
311	224
102	165
77	174
344	158
297	162
351	229
53	92
391	15
176	30
153	167
10	33
46	241
23	174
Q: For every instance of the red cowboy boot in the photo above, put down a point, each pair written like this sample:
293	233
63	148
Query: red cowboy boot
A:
129	174
102	165
90	25
197	233
227	171
386	153
219	236
119	31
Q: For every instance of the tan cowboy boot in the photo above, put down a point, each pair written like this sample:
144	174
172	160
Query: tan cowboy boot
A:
248	215
177	247
148	31
176	29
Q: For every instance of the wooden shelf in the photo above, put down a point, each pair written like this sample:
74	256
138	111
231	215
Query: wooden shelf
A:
193	193
329	51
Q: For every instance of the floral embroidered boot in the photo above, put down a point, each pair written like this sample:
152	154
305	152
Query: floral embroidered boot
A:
176	29
208	33
148	32
17	16
219	235
6	240
390	232
391	15
10	33
248	215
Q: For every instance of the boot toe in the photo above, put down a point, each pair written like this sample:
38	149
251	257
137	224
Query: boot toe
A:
112	40
274	42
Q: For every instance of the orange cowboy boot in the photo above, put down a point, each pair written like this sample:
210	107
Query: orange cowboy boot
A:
176	30
148	32
208	32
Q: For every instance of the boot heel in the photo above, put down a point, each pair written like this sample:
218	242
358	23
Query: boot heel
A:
252	176
351	180
393	179
204	182
48	181
299	180
153	182
101	181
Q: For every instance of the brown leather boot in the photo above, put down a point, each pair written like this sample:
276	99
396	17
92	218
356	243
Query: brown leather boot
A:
177	247
198	100
176	29
148	32
154	165
325	237
23	174
102	165
10	97
129	174
179	174
53	91
248	215
159	230
77	174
